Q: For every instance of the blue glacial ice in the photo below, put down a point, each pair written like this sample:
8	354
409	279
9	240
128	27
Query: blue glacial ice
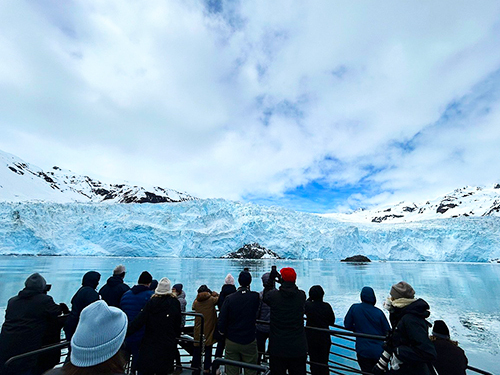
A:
214	227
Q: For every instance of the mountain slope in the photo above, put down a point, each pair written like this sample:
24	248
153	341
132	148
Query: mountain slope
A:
464	202
21	182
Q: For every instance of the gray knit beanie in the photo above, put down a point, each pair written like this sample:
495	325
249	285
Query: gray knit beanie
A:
99	335
402	290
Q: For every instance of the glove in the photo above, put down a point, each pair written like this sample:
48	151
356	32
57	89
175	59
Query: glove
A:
273	275
64	308
395	362
383	362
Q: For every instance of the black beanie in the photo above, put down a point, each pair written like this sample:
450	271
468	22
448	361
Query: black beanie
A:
245	279
441	330
145	278
178	288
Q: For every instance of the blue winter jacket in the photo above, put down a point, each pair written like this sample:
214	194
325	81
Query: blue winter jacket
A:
132	302
364	317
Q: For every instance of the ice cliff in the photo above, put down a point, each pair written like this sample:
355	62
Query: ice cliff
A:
212	228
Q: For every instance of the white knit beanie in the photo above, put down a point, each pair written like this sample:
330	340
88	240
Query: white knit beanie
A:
99	335
229	279
164	287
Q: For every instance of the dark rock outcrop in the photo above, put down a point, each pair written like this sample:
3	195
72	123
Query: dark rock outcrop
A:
357	259
252	251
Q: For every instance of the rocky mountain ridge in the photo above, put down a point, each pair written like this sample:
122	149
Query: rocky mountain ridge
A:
468	201
21	181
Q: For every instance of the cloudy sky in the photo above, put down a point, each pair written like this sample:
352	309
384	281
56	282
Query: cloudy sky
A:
317	105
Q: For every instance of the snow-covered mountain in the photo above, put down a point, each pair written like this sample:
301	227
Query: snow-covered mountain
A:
464	202
22	182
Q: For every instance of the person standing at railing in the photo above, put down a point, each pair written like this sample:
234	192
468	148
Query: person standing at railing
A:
26	319
287	339
320	315
364	317
205	303
237	325
264	314
115	287
161	317
86	295
132	302
409	349
451	359
227	289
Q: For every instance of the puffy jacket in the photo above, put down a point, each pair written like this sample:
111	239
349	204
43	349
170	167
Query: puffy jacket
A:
82	298
132	302
410	339
113	290
287	336
25	323
238	315
263	313
205	304
364	317
182	300
320	315
161	318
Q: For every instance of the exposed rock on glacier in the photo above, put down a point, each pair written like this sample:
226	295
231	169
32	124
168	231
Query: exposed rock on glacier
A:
252	251
212	228
357	259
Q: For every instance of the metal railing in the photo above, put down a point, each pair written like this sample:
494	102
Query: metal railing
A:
334	366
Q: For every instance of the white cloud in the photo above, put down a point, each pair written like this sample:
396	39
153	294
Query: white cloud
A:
259	98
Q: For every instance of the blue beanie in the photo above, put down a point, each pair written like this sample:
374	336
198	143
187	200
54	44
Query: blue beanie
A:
99	334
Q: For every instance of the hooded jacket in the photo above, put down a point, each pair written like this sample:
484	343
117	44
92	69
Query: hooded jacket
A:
410	339
113	290
82	298
132	302
25	323
205	304
287	336
364	317
226	290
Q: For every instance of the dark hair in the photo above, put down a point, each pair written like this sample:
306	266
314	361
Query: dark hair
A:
114	365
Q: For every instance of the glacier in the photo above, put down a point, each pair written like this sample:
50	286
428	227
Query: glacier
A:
211	228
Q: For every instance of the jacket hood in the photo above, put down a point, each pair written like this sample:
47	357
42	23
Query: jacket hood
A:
203	296
136	289
91	279
288	289
114	280
227	289
418	308
368	295
181	295
35	282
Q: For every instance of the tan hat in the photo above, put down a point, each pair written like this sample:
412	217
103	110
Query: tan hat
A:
402	290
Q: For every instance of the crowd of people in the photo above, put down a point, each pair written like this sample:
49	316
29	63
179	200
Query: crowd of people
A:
144	324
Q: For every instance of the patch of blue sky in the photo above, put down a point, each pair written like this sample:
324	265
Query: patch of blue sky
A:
315	197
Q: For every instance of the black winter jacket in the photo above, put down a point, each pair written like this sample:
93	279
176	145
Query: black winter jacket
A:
113	290
82	298
451	359
287	336
161	317
25	323
410	339
319	314
226	290
238	315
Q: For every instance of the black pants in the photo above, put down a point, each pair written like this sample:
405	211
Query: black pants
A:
366	364
319	353
282	365
261	338
207	361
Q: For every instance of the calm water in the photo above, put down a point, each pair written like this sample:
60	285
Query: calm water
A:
464	295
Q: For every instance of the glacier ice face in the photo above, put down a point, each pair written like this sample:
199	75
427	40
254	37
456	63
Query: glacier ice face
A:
214	227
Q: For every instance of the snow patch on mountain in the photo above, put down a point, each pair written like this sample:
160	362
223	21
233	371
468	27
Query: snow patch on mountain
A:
21	182
468	201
